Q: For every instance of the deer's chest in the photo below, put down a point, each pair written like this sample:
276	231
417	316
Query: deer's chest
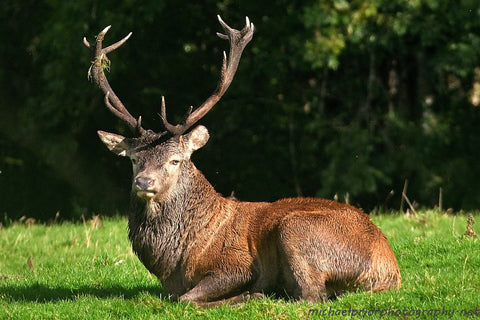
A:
157	245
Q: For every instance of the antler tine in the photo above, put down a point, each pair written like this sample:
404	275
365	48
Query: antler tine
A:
163	114
117	44
238	41
99	64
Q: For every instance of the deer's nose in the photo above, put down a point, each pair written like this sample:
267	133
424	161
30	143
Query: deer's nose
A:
144	183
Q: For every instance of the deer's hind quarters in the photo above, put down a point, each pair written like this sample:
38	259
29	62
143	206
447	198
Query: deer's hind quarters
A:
211	250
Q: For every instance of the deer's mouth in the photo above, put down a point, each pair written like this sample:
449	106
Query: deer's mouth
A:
146	194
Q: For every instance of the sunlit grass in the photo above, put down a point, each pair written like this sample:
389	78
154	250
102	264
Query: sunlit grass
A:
88	271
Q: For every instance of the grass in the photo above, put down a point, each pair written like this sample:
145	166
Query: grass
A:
87	271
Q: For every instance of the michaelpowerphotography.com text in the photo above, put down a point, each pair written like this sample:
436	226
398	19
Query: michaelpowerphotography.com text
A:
412	313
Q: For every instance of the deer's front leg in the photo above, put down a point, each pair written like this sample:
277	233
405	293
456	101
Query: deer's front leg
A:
219	289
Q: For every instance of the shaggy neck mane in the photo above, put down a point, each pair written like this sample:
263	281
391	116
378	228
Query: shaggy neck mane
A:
159	231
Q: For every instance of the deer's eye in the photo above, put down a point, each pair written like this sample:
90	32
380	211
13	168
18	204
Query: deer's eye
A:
134	161
174	162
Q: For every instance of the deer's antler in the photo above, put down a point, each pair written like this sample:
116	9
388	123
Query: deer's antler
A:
101	63
238	41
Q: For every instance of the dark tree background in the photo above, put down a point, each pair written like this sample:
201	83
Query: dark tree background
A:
346	98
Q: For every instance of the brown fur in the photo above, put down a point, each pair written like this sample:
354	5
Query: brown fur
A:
208	249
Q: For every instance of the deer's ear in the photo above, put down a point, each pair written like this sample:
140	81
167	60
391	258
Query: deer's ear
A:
195	139
114	142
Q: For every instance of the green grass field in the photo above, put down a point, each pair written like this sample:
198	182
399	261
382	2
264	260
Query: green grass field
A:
88	271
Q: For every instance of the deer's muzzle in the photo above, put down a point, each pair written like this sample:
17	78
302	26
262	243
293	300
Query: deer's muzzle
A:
144	187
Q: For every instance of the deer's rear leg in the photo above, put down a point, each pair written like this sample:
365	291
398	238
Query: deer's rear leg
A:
215	290
302	280
304	272
309	284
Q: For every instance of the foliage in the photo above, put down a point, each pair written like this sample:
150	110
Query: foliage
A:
88	271
331	97
402	80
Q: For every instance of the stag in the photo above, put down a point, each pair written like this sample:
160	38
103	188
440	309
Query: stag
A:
208	249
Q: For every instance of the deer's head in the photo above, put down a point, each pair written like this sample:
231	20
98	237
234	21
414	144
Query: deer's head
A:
160	158
157	163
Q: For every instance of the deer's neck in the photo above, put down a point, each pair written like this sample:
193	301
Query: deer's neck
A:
159	231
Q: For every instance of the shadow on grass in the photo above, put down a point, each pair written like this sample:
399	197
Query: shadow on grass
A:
42	293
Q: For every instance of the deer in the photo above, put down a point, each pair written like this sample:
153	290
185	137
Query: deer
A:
207	249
